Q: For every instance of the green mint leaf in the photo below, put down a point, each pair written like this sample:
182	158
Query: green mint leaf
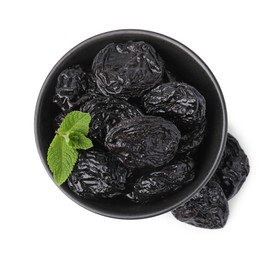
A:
79	141
61	159
70	136
75	121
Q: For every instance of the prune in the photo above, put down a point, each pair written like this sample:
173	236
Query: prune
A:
192	138
58	119
107	112
233	168
127	69
143	141
177	102
206	209
97	175
184	106
160	183
74	86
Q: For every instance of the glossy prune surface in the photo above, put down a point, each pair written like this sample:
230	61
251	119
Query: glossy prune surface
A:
58	120
74	86
163	181
105	113
177	102
127	69
146	141
233	168
192	138
206	209
184	106
97	175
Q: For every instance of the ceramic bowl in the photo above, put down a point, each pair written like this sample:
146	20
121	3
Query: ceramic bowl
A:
187	66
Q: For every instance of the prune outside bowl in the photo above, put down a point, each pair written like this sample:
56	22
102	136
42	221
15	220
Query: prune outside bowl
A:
189	68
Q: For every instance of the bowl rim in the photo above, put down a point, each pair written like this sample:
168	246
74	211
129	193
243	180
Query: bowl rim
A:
184	48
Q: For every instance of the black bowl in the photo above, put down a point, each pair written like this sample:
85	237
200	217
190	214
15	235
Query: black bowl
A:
190	69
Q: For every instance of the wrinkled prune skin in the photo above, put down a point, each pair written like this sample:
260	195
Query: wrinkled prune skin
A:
184	106
105	113
158	184
74	86
206	209
146	141
177	102
192	138
233	168
58	120
127	70
97	175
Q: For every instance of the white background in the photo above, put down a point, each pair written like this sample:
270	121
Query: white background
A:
241	45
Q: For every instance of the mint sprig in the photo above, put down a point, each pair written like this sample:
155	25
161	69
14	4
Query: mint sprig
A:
75	121
70	136
79	141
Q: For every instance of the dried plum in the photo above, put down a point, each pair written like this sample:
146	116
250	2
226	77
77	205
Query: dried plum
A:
97	175
58	119
233	168
192	138
107	112
177	102
74	86
127	69
160	183
184	106
206	209
143	141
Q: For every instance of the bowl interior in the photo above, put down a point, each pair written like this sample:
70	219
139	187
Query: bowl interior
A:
188	67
